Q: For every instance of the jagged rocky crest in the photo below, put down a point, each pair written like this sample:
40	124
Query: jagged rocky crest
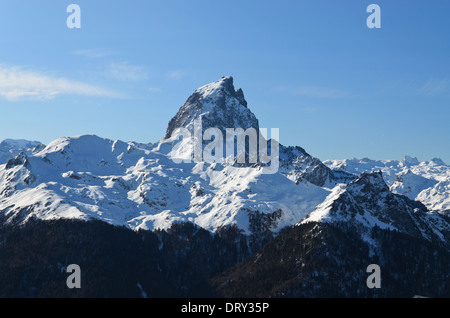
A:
218	105
367	202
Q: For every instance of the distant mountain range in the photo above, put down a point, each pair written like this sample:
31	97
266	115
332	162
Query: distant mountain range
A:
308	230
427	182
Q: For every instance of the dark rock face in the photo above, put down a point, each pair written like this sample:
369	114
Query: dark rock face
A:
298	165
240	97
19	160
367	202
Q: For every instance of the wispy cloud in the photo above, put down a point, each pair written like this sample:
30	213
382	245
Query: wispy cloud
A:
314	91
176	75
93	53
320	92
17	84
436	86
309	109
125	71
154	89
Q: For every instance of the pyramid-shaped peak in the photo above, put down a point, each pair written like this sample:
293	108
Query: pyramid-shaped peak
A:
410	160
218	105
223	86
438	161
368	182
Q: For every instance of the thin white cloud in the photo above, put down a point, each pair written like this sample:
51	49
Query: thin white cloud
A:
154	89
93	53
313	91
175	75
125	71
17	84
320	92
436	86
309	109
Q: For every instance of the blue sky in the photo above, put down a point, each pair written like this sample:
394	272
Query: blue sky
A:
310	68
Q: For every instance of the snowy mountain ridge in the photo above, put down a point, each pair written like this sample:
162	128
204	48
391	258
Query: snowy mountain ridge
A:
367	202
12	147
127	184
427	181
140	186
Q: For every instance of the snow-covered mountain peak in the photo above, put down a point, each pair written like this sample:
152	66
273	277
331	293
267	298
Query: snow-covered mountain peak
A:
369	184
20	160
10	148
366	202
438	162
223	86
410	184
423	181
218	105
90	153
408	160
22	144
87	144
